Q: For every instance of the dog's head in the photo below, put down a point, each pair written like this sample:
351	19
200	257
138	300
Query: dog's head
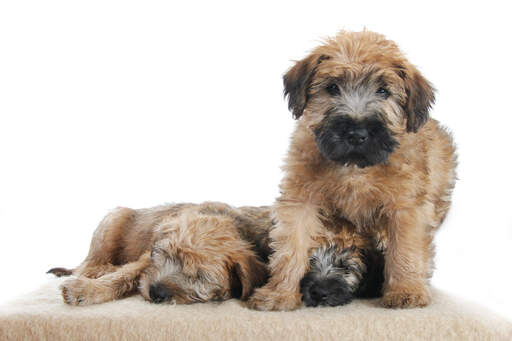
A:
333	277
199	259
358	94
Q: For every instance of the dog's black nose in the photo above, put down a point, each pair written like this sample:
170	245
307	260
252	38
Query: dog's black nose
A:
357	137
319	294
159	293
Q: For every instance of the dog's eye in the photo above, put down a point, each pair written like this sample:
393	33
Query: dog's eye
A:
333	89
383	92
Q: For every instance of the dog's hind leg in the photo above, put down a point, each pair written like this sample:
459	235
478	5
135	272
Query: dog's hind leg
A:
106	243
111	286
95	271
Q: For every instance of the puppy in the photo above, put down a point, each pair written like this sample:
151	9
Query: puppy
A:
364	153
337	275
180	254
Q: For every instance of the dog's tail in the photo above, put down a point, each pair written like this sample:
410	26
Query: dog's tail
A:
59	272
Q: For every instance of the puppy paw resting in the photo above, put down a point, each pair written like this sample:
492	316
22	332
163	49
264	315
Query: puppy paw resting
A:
271	299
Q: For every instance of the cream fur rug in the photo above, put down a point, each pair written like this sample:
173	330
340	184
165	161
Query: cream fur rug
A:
43	316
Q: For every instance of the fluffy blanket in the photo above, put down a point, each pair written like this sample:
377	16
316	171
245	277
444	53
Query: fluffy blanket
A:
42	315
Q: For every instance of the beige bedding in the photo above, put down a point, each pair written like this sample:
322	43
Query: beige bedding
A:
42	315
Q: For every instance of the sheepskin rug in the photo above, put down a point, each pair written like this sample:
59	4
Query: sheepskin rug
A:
42	315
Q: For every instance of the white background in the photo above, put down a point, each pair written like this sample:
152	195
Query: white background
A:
107	104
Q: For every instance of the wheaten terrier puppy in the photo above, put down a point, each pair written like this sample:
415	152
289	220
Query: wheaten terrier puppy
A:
365	154
175	253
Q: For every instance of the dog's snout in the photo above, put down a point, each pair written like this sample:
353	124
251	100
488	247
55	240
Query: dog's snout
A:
357	136
159	293
319	294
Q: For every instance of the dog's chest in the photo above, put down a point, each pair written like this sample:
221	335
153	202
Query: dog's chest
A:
358	199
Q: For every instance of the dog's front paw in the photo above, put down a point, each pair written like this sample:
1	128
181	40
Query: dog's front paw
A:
406	298
268	299
83	291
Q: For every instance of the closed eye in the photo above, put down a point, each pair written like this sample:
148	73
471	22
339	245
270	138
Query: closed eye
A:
333	89
382	92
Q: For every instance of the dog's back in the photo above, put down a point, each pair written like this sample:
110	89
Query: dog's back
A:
253	223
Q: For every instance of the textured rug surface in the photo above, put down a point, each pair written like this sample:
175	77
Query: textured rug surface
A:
42	315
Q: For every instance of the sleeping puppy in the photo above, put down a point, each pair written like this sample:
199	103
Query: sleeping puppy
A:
182	253
337	275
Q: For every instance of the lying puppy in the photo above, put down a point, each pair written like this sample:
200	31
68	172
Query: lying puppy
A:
337	275
181	253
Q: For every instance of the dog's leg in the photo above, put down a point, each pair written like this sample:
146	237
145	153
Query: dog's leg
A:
104	248
407	262
294	236
115	285
94	271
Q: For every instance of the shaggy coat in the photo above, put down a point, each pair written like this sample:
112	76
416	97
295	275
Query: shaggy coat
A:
182	253
366	156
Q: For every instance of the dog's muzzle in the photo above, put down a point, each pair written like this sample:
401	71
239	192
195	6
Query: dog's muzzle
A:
346	141
159	293
357	137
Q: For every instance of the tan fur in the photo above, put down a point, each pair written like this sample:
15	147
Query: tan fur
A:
198	252
399	203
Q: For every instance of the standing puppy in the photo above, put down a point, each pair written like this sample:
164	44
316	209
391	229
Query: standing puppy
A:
364	153
181	253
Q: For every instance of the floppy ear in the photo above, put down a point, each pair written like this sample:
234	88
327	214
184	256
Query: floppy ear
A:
420	98
297	81
248	273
